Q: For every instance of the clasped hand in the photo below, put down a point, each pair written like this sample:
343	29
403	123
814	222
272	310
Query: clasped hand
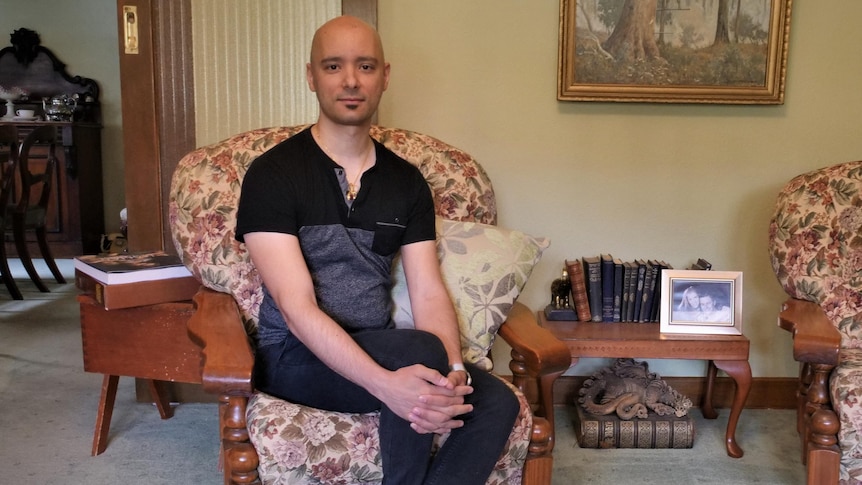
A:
428	399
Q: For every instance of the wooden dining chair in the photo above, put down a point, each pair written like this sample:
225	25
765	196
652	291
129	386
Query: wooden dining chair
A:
31	211
8	165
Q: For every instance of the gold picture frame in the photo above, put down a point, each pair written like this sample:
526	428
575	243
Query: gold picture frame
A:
701	302
605	56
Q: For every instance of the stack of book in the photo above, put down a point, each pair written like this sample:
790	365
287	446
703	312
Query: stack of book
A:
134	279
654	431
607	289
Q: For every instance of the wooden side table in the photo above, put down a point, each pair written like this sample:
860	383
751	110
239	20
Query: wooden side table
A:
148	342
644	340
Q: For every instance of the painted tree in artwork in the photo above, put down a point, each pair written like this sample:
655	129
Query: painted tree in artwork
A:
722	24
634	34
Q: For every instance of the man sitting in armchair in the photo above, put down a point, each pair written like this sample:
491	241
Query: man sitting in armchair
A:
323	214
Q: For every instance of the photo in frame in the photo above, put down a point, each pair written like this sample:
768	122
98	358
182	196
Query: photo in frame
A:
701	302
673	51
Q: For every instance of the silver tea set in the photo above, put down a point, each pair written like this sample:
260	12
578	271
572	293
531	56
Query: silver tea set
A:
59	108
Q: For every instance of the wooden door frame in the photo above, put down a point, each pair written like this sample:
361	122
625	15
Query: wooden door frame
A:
157	86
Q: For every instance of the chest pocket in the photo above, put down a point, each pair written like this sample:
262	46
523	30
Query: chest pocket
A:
387	237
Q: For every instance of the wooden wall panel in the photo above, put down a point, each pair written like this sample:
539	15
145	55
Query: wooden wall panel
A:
176	96
141	148
158	114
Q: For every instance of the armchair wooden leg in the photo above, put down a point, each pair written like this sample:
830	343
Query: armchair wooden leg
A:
539	392
540	460
824	456
240	457
805	378
821	453
817	398
520	379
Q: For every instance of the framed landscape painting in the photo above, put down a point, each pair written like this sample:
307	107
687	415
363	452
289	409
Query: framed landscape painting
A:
673	51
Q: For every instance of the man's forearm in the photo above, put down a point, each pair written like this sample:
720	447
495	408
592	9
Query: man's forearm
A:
437	316
334	347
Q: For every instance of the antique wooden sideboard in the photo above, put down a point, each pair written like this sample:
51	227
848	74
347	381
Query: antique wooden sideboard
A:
76	211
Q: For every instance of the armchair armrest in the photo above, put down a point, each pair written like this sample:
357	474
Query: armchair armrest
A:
538	358
542	352
226	355
815	339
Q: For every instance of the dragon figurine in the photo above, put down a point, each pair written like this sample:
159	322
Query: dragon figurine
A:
631	390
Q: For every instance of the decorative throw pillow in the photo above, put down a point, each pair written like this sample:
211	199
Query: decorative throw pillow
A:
484	268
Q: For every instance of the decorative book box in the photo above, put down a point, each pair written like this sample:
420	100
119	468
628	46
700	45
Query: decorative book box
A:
655	431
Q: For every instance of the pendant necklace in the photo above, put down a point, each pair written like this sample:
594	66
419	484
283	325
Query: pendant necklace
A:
351	187
352	190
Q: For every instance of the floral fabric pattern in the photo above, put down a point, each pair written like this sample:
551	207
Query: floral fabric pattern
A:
845	386
815	244
298	444
485	268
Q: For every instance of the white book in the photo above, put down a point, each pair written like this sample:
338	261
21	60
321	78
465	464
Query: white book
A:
115	269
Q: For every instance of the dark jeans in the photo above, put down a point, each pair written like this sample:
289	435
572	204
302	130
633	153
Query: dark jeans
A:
292	372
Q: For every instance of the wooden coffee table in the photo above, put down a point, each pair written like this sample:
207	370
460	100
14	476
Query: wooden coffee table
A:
643	340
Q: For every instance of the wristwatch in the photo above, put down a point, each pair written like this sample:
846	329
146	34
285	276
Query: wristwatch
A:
460	367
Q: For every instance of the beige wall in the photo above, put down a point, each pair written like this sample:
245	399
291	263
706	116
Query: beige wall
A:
83	34
673	182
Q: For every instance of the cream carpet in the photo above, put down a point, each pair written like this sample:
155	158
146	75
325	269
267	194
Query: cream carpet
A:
48	409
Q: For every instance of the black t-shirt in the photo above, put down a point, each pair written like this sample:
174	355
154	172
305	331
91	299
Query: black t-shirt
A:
294	188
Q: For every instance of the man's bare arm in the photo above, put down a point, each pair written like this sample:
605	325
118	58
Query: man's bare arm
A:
430	301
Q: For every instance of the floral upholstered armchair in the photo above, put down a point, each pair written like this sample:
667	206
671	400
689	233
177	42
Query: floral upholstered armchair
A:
268	440
816	250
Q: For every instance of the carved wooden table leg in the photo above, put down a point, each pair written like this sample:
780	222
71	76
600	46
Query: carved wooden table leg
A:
103	416
740	372
706	406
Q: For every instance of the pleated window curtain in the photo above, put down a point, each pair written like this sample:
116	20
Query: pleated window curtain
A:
249	63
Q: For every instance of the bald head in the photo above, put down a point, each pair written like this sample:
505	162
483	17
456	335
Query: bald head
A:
345	26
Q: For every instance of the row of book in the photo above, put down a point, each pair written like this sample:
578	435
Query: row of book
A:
607	289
